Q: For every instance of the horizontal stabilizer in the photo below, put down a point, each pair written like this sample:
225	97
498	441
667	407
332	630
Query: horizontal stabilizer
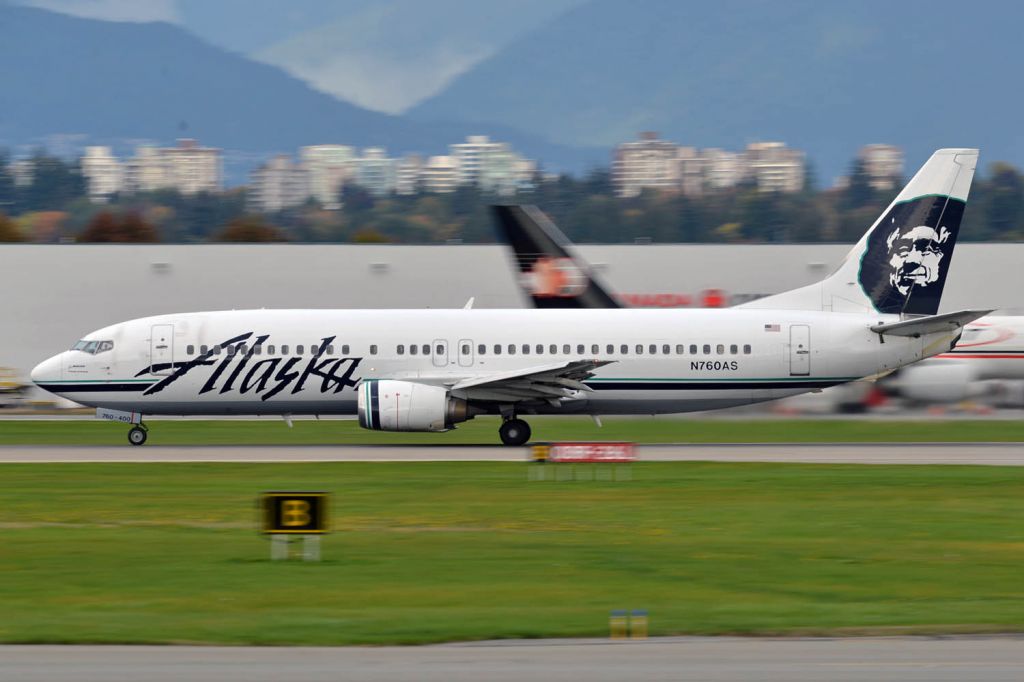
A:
932	324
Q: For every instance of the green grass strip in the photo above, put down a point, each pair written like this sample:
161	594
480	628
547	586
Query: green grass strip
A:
425	552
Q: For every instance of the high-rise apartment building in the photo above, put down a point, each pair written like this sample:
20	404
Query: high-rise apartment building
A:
775	167
377	172
103	172
440	174
186	167
278	184
329	167
883	164
647	163
409	175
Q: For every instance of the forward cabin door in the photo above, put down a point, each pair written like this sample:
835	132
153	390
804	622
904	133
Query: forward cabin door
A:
161	349
799	350
440	352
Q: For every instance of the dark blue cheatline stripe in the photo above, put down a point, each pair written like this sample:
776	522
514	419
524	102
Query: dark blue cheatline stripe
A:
99	387
705	385
374	405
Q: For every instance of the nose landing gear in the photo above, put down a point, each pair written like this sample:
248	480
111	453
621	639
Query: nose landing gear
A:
138	434
514	431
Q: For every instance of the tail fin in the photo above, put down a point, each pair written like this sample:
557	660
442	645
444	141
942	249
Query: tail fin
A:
550	273
899	266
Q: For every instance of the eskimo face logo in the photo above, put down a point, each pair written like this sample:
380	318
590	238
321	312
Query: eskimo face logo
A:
915	257
555	278
904	266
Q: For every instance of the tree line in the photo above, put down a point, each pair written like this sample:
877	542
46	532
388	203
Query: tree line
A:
54	208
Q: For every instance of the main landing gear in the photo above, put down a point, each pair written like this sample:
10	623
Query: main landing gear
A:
514	431
138	434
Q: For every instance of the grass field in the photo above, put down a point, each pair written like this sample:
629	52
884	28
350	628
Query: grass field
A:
439	551
484	431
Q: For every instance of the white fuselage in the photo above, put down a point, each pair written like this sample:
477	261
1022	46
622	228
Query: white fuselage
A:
309	361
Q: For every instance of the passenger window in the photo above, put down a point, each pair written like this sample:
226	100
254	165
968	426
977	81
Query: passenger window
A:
465	349
665	349
639	349
243	349
426	349
526	349
400	349
610	348
191	350
413	349
553	349
720	349
595	349
203	349
746	349
481	349
565	349
624	349
270	350
693	349
511	349
312	349
330	350
540	349
344	349
580	349
284	349
680	349
497	349
256	350
373	349
707	349
734	349
652	349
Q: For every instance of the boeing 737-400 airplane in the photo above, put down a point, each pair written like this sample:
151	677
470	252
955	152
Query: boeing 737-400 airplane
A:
427	370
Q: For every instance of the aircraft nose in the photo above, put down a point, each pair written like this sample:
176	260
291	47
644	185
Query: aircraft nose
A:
47	370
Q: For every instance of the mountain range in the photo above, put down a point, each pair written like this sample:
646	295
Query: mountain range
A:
117	82
826	77
563	81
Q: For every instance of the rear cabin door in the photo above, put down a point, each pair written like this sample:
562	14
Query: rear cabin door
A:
161	349
799	350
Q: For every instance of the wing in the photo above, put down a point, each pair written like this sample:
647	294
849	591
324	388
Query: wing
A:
553	383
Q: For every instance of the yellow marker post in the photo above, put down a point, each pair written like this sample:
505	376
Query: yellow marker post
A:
638	624
618	624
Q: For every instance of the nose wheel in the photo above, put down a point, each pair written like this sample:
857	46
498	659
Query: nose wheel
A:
514	432
138	435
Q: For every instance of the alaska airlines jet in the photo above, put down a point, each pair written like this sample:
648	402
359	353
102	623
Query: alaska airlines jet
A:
428	370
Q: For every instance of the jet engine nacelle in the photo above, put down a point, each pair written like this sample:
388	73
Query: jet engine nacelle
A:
387	405
942	382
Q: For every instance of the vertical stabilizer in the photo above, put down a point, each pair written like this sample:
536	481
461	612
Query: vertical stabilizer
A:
899	266
549	271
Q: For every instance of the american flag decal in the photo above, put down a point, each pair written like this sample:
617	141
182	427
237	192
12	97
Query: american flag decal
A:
772	328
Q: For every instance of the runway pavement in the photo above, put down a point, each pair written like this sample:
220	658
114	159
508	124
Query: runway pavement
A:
993	454
724	659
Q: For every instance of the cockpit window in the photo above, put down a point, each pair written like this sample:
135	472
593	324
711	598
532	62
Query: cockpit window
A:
93	347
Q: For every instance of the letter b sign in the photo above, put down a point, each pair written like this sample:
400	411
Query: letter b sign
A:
304	513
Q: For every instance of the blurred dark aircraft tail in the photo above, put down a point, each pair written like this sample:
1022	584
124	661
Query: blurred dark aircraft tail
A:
549	271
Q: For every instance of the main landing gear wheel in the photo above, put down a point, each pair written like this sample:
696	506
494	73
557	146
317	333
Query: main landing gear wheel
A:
137	436
514	432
